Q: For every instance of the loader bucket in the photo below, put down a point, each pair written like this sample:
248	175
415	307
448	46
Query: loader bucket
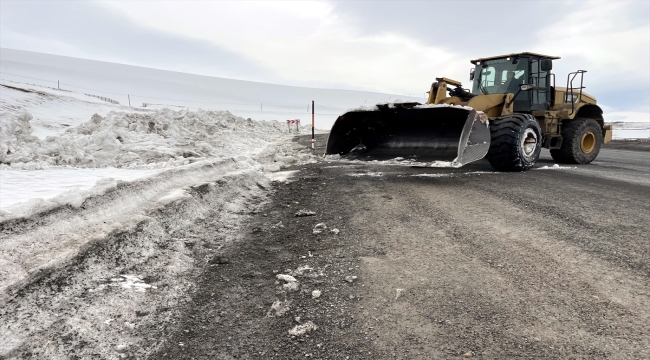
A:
428	133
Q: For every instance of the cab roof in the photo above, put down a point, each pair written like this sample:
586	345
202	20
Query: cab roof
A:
515	54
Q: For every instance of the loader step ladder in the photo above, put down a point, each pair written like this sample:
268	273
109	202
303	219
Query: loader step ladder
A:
570	96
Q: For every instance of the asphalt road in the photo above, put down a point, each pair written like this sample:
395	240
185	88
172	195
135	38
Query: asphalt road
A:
435	264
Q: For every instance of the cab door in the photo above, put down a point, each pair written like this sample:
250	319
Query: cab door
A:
540	95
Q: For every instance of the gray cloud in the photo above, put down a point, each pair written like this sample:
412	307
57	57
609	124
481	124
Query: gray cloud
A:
100	32
477	28
469	29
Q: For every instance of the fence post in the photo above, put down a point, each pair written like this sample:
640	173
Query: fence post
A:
129	96
58	85
312	125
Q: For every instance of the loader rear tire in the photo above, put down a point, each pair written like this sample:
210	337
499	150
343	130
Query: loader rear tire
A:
516	142
581	142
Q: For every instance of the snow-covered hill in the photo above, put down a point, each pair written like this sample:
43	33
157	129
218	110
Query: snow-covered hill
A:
258	101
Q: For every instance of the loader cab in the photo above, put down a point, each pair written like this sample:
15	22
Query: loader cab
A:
504	74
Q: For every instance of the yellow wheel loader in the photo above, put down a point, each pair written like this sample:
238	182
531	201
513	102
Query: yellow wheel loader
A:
512	111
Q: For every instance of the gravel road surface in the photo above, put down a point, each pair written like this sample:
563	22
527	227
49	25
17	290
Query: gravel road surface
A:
437	263
351	260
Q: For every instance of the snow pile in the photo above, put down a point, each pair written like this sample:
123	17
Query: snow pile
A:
152	140
16	139
54	111
80	155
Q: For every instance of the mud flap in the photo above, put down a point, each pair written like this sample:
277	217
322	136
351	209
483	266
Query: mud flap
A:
452	134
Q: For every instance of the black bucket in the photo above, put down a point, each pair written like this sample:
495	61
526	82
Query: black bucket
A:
426	133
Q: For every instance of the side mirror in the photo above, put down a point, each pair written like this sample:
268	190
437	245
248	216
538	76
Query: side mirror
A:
546	65
471	74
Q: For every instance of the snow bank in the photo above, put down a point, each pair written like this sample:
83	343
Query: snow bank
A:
121	146
16	139
135	140
55	243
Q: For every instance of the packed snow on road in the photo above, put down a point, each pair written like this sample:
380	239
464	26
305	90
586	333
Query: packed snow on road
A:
90	170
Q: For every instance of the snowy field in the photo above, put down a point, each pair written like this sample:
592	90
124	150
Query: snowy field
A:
631	130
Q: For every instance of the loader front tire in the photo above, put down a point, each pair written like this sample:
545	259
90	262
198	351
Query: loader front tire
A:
516	142
581	142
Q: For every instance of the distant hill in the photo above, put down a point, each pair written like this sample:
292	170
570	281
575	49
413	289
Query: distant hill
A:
259	101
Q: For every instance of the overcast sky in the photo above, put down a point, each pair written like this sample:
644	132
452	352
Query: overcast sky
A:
386	46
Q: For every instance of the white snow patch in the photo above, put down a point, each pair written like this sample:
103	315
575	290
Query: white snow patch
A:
436	175
286	278
173	196
291	286
133	282
305	212
443	164
441	175
17	186
316	294
278	308
371	174
303	328
319	228
555	167
302	269
332	157
282	176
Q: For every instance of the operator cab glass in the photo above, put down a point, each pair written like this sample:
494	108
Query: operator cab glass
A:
500	76
505	75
